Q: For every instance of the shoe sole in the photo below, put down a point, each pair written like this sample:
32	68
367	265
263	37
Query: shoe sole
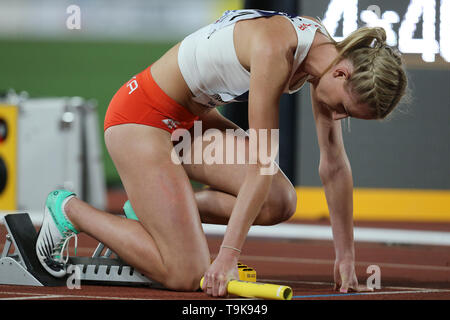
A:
41	259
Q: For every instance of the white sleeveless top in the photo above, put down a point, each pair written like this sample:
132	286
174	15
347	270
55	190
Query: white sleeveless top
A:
211	69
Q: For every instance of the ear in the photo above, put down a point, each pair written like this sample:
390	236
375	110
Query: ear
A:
341	72
343	69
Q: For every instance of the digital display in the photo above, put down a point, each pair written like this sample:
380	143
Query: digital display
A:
413	26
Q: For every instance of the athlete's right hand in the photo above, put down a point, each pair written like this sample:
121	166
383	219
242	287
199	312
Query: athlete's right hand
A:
223	269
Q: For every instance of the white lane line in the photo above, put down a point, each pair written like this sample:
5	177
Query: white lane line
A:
407	291
399	290
34	297
361	234
352	294
320	283
50	296
331	262
321	232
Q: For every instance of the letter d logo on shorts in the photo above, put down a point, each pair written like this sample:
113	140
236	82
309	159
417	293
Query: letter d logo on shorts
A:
132	84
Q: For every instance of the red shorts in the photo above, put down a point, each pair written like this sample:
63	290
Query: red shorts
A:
142	101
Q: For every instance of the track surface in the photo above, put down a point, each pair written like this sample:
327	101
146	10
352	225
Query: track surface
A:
407	272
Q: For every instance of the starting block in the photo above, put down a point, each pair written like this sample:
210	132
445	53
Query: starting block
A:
246	273
22	267
104	267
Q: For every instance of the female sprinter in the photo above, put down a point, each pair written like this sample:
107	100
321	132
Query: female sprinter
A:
246	54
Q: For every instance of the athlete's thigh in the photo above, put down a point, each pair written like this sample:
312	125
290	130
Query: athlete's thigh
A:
227	174
159	190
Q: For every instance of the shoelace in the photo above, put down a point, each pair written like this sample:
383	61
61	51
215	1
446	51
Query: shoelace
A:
63	245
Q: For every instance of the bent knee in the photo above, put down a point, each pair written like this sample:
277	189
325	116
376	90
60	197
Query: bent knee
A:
185	278
279	207
183	282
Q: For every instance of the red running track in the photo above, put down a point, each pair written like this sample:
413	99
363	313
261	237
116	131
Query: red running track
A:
408	272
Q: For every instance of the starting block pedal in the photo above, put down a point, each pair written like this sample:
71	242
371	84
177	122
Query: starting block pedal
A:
246	273
22	267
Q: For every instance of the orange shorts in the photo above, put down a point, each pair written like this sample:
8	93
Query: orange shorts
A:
142	101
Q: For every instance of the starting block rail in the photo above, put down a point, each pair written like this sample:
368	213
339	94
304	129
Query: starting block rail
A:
107	271
22	267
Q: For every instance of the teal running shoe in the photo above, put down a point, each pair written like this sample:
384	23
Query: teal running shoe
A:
129	212
55	233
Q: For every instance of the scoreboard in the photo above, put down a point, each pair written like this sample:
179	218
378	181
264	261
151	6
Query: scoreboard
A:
420	27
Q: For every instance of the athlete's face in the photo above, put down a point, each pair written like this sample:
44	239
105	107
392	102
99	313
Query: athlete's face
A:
334	95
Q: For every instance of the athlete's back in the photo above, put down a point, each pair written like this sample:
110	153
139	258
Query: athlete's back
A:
209	64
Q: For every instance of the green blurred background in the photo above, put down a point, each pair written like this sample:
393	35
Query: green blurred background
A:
92	70
40	55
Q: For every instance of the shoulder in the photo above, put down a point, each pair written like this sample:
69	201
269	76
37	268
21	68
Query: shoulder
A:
322	29
263	37
273	34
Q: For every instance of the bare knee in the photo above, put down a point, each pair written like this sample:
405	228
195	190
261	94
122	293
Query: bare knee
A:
185	277
183	281
280	205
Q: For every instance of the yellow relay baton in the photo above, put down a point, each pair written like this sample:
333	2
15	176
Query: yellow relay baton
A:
261	290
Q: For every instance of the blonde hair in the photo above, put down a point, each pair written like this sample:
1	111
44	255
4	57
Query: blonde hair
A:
378	78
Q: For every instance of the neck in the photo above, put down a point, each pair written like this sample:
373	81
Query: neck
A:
320	56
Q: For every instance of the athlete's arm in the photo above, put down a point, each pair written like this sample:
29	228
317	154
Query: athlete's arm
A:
270	68
336	176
